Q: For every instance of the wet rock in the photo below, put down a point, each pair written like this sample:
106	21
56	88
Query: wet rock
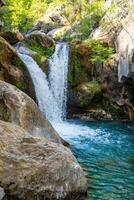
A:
13	70
2	193
38	38
20	109
124	43
35	168
12	37
23	49
84	95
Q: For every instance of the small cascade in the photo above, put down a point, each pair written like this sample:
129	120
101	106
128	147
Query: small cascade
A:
51	92
58	67
43	93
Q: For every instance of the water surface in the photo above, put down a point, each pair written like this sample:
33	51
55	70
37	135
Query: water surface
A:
105	150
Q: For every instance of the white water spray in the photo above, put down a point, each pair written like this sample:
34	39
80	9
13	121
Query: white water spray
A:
58	66
51	93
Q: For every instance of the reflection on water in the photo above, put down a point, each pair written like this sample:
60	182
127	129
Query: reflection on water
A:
106	153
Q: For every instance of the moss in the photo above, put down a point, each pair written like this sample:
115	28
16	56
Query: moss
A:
77	73
90	88
89	93
18	63
21	85
42	51
37	58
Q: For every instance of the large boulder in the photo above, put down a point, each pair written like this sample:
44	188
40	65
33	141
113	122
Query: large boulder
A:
35	168
125	47
20	109
12	36
38	38
13	70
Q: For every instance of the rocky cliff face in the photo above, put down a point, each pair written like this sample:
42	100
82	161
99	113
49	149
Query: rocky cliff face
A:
13	70
18	108
35	168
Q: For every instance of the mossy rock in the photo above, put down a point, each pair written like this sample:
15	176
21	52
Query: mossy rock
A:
13	70
77	73
88	92
39	39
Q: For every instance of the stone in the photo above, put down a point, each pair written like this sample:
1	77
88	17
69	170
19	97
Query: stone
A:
35	168
2	193
23	49
13	70
38	38
88	92
20	109
124	43
54	15
58	32
12	36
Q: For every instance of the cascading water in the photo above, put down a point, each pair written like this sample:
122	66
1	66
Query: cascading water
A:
58	67
51	91
43	93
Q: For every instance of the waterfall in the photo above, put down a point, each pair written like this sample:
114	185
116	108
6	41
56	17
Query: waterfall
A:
51	92
58	67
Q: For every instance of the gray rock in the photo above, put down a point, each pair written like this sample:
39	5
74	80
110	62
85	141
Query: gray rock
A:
38	38
2	193
18	108
21	48
13	70
35	168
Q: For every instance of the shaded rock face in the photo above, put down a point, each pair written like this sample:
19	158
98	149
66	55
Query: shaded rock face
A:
18	108
35	168
12	37
128	83
2	193
84	102
2	3
38	38
125	47
13	70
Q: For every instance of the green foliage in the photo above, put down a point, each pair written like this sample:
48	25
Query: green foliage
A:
37	58
22	14
18	63
99	51
21	85
42	51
